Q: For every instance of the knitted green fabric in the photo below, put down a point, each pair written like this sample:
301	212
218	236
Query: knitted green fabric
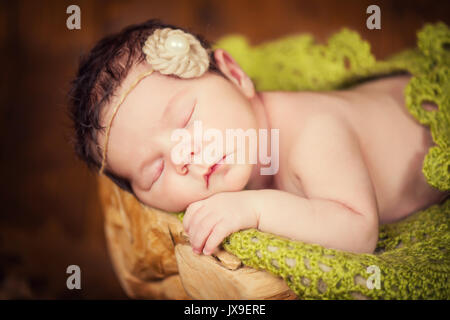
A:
412	256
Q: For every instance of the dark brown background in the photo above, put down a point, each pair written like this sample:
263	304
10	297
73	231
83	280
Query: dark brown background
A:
50	215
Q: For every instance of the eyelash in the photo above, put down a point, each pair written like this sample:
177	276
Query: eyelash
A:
190	116
159	171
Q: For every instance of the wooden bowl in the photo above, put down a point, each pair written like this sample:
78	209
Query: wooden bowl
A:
152	257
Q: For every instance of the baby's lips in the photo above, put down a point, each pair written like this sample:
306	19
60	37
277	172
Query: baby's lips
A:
222	161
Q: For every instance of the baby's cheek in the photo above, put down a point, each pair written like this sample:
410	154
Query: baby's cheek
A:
179	191
237	178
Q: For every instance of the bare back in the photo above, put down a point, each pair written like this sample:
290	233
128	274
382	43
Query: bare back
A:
391	140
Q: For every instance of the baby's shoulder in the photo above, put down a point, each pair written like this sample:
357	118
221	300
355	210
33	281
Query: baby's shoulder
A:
322	126
322	134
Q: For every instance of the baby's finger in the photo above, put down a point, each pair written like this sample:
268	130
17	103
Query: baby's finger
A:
195	224
198	239
201	231
190	211
194	218
218	234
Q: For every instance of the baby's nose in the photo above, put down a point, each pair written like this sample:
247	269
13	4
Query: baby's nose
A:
191	167
182	168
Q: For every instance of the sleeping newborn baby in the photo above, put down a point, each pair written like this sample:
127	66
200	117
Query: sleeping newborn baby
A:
340	164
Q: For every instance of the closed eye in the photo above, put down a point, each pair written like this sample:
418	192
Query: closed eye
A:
159	171
152	174
160	166
189	115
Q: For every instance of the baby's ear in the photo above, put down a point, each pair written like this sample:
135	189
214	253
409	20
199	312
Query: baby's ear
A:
234	73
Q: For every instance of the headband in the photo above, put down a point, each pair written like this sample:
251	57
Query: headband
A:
167	51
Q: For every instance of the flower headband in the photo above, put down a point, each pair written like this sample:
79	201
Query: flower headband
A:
167	51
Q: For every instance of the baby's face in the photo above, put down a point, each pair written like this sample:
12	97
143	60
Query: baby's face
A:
141	137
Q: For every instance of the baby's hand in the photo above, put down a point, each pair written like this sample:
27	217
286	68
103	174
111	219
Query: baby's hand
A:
209	221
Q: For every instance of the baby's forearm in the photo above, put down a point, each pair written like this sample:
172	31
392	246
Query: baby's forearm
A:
324	222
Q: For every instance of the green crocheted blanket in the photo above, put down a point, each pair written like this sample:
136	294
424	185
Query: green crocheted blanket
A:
412	259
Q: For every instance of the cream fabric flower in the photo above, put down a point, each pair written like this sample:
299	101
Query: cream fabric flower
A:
175	52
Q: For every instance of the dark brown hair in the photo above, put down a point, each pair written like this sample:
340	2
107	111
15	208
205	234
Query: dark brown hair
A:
100	73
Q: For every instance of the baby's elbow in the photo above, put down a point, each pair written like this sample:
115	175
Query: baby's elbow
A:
371	236
371	242
368	236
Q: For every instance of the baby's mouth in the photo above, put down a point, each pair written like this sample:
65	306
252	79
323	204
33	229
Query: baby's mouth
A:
212	169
